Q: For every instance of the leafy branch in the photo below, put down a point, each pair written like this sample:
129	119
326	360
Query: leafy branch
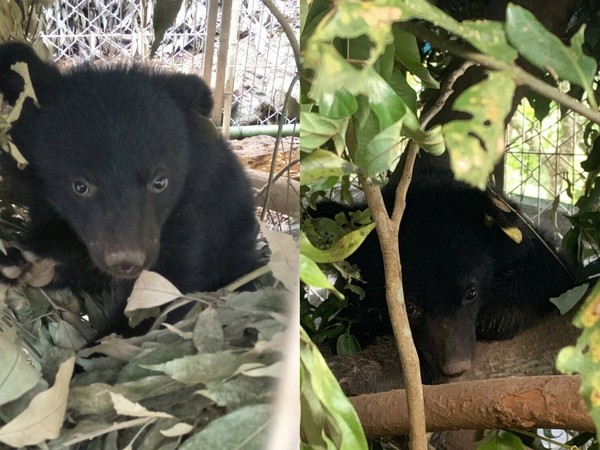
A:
521	76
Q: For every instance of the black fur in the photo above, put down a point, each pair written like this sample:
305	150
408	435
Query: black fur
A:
464	278
121	132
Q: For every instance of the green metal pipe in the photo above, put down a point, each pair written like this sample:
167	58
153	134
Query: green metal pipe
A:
262	130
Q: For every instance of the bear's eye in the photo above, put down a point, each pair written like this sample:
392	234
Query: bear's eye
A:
471	295
412	310
81	188
159	184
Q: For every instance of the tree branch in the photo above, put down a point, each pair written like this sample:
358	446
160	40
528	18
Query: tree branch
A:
516	402
388	238
521	76
413	149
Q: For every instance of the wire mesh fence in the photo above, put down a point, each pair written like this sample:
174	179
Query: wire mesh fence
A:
263	48
542	170
260	58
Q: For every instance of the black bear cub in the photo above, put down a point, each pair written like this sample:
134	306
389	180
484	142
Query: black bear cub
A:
464	277
126	174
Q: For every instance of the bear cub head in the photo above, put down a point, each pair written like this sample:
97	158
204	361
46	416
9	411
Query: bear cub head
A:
101	169
110	150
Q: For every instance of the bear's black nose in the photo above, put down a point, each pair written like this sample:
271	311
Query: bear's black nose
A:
125	263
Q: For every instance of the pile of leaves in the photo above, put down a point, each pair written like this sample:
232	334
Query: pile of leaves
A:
182	385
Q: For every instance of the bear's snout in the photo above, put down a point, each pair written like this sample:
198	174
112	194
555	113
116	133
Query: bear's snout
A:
128	264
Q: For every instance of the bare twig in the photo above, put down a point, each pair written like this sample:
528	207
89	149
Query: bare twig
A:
287	29
413	149
277	176
281	119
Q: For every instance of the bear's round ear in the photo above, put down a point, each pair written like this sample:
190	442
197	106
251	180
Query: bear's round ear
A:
43	76
188	91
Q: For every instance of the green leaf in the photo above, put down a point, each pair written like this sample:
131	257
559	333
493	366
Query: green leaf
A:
343	248
324	164
385	64
540	105
208	332
17	376
381	151
407	52
487	36
332	72
245	428
165	12
338	106
206	368
327	419
593	160
283	261
303	14
135	368
241	391
317	129
583	357
354	19
502	440
317	10
548	53
312	275
347	344
43	417
567	300
477	144
374	19
404	90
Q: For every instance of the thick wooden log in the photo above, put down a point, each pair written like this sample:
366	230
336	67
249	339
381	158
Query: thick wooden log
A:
514	402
